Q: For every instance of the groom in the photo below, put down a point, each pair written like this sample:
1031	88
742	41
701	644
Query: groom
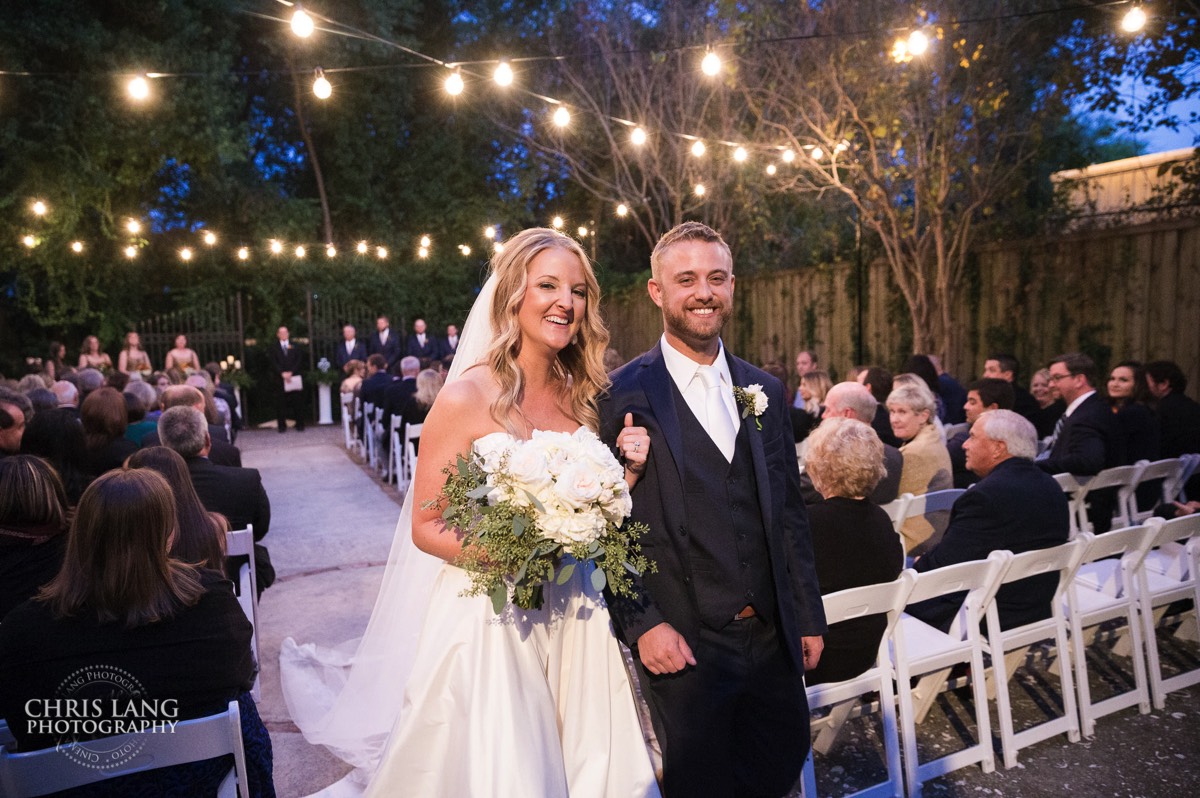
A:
726	626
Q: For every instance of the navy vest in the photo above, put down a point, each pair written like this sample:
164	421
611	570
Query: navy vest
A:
727	544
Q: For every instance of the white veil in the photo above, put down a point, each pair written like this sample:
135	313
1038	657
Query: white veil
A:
348	698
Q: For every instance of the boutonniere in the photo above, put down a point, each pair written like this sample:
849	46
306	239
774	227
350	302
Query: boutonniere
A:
753	401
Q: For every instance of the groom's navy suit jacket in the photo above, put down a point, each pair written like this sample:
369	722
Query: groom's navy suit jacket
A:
644	387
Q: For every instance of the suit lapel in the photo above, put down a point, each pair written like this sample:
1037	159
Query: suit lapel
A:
656	384
741	378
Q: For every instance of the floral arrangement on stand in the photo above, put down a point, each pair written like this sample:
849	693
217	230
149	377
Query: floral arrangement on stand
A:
325	374
232	373
536	510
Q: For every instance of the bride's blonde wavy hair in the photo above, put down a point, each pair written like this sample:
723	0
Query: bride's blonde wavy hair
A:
580	365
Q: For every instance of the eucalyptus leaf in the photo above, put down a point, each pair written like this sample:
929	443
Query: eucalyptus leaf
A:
519	525
565	572
599	579
462	467
536	502
479	492
631	569
499	596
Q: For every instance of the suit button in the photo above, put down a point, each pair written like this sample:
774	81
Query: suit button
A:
749	594
741	535
683	531
687	580
745	564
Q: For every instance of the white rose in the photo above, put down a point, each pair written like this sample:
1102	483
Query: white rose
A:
492	449
579	485
527	468
571	528
760	398
618	507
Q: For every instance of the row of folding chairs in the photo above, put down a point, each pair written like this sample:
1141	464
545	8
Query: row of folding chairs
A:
400	462
1131	575
1173	473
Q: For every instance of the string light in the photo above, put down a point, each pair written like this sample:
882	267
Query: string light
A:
638	137
699	189
362	248
77	247
698	149
302	24
454	84
918	42
817	153
740	154
789	156
330	251
499	247
381	252
210	238
39	208
185	254
489	232
133	226
29	241
425	242
622	210
562	117
321	85
583	231
301	251
131	252
557	222
464	249
841	147
139	88
1134	20
423	252
503	74
276	247
243	253
771	169
711	64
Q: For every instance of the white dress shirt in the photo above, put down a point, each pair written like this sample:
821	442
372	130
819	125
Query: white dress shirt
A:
683	371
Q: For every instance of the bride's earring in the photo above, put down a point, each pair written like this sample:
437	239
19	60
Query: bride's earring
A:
574	339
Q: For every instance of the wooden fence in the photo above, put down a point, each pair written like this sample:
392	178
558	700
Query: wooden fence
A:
1115	294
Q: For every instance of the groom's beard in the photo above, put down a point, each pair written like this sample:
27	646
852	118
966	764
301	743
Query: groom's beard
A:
689	327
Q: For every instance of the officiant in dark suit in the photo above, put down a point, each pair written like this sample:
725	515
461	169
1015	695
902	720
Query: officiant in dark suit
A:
287	362
725	627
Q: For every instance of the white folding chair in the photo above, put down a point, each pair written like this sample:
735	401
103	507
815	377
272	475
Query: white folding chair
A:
1008	647
368	427
897	508
1123	478
1168	471
859	602
24	775
395	451
1103	590
412	434
349	403
240	542
1190	463
918	649
1157	591
935	502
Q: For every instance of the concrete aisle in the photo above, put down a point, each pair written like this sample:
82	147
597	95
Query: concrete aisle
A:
331	530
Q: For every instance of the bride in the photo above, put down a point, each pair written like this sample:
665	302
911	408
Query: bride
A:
443	697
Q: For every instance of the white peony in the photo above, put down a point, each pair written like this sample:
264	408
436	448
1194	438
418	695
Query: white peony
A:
579	485
569	529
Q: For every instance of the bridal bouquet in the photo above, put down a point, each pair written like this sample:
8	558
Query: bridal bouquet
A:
524	506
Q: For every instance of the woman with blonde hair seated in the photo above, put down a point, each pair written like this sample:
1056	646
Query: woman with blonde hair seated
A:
854	542
913	412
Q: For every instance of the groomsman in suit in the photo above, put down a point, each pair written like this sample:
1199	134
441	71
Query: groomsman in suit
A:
350	348
385	342
1087	439
726	626
287	361
449	343
421	344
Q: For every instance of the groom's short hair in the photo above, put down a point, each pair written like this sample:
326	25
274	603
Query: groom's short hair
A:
688	231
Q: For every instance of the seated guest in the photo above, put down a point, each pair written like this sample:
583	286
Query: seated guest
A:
814	386
1129	397
1088	440
356	372
1178	414
122	602
853	540
922	367
851	400
42	399
32	528
15	411
373	387
982	395
913	412
87	380
1049	409
200	535
116	379
140	399
1003	366
56	436
67	393
105	420
222	452
31	382
1014	506
802	422
429	383
223	392
953	395
879	382
397	394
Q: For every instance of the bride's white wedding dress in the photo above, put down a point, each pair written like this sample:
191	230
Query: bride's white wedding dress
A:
442	698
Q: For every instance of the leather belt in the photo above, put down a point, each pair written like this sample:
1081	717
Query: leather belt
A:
747	612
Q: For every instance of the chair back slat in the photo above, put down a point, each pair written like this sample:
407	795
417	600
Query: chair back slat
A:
964	576
858	602
240	542
934	502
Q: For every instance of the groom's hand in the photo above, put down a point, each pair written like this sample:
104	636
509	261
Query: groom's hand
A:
663	650
813	646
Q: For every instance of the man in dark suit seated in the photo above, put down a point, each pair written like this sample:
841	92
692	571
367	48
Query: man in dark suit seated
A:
422	345
878	381
384	341
1178	414
851	400
988	393
1089	439
236	493
397	394
1014	506
221	452
1002	366
350	348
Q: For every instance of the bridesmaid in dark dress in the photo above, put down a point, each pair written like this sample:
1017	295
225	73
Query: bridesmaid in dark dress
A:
854	542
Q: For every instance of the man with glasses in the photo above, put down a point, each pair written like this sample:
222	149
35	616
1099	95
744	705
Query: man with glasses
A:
1087	439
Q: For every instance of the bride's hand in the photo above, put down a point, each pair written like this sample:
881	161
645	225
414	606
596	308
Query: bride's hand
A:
634	445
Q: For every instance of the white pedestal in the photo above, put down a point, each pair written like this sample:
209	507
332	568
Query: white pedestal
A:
324	404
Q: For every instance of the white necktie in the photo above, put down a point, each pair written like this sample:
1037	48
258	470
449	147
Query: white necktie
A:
720	425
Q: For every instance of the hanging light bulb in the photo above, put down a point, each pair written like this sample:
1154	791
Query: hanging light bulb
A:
918	42
465	249
817	153
243	253
139	88
185	254
133	226
638	137
39	208
583	231
321	85
698	149
302	24
503	74
29	241
711	64
131	252
426	242
771	169
210	238
362	248
381	252
789	156
330	251
841	147
556	222
423	252
562	117
499	247
489	232
1134	20
276	247
454	84
77	247
740	154
301	251
622	210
